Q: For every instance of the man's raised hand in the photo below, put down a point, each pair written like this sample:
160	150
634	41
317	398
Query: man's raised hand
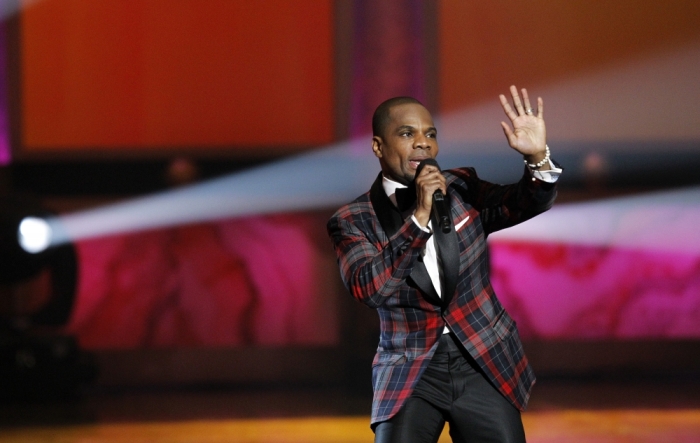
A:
528	135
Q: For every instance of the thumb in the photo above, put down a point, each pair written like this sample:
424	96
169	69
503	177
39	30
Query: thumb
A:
509	133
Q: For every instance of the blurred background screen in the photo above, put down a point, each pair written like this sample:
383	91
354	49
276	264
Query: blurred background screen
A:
159	74
252	120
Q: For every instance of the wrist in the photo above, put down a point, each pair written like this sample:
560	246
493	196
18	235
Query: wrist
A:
536	161
422	217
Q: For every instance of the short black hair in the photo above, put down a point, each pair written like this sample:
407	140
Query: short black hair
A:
380	119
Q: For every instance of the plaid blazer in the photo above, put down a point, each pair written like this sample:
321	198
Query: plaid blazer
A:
379	255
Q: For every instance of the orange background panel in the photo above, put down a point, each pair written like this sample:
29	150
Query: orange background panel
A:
487	46
183	73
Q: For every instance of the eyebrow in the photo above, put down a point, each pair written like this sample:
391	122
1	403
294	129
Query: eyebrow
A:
404	127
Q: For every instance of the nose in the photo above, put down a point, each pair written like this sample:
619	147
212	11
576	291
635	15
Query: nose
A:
421	141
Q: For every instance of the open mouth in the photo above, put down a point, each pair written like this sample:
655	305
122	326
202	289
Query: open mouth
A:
415	162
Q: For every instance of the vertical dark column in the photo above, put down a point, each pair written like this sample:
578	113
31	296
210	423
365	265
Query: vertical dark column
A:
385	49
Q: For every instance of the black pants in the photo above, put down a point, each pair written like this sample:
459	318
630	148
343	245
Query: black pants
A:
452	390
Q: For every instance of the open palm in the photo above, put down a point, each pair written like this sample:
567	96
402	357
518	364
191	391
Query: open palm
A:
528	135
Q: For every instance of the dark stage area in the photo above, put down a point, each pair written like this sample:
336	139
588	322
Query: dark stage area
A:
170	404
215	408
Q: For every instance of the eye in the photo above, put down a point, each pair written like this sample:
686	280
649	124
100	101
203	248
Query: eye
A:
431	135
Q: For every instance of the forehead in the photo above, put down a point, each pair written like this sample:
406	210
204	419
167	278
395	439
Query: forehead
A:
411	114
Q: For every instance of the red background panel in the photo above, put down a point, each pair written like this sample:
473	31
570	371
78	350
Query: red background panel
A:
185	73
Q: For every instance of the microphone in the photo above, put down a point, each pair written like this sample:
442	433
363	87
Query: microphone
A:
440	209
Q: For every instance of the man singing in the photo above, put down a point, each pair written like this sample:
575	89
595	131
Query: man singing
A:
414	248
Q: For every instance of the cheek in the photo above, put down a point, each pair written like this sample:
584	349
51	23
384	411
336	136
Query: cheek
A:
394	160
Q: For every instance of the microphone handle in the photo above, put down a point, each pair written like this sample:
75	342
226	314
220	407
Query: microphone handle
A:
441	212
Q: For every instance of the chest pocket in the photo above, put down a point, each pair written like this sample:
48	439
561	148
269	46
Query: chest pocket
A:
502	325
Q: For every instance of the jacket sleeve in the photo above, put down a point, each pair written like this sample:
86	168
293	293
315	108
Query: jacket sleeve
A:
372	271
502	206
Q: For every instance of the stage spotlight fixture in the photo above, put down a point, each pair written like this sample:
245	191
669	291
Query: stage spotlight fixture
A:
37	293
26	254
34	234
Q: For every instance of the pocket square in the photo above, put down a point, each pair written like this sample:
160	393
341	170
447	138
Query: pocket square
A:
460	224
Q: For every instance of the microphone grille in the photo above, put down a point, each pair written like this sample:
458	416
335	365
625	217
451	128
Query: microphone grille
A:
423	163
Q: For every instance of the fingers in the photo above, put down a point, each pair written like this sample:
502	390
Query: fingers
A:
427	169
512	115
431	178
520	106
526	102
516	100
540	107
429	181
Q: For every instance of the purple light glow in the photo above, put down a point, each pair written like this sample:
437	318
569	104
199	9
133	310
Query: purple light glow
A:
5	152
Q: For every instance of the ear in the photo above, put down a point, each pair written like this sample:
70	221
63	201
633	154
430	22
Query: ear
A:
377	146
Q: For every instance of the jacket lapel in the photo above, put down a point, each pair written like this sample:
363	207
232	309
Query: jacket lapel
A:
448	251
391	221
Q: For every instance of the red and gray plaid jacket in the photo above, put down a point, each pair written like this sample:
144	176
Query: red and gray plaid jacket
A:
379	255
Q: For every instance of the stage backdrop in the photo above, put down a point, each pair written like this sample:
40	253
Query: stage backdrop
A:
265	281
160	74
